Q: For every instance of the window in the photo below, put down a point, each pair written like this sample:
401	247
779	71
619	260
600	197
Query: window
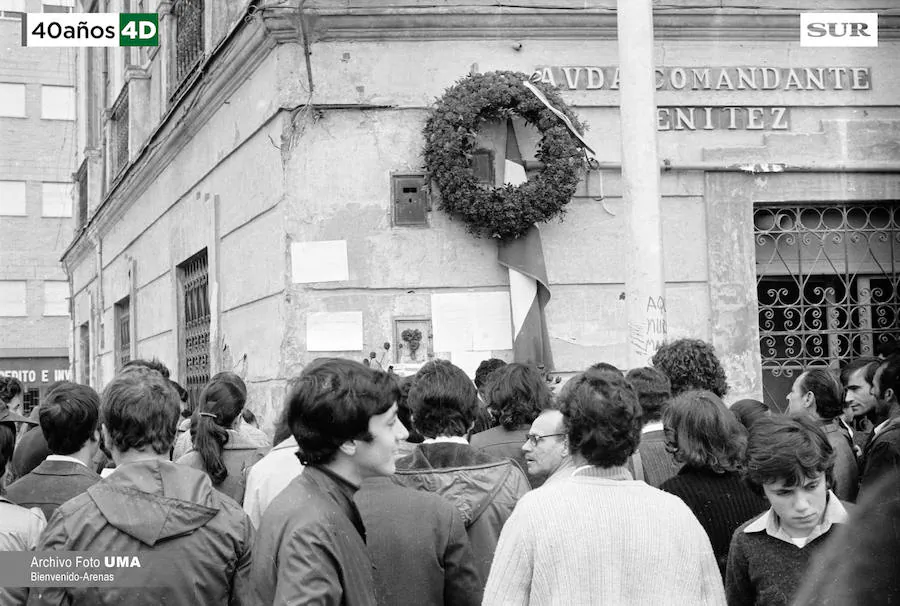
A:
12	199
30	399
188	41
193	276
57	8
12	100
84	352
123	332
56	298
13	298
57	102
17	6
118	144
56	199
828	286
81	182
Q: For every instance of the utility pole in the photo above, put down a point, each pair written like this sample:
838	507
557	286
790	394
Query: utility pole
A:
644	281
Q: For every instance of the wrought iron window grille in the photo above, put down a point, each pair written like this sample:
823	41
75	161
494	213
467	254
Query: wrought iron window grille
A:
123	332
194	276
828	286
189	44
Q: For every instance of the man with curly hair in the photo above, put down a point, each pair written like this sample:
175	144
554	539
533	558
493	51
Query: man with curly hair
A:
691	364
600	537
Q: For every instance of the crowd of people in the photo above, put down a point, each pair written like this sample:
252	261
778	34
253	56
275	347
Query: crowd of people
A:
637	488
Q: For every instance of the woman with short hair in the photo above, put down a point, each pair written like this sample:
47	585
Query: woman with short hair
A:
709	442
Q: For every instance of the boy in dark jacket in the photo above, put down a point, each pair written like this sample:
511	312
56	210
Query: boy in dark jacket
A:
311	538
193	543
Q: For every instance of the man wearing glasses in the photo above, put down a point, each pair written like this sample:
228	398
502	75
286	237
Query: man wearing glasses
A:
547	449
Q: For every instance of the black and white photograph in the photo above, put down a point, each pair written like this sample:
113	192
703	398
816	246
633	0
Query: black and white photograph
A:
449	302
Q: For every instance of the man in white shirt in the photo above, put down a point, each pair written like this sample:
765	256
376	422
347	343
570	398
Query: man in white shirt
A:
269	476
69	420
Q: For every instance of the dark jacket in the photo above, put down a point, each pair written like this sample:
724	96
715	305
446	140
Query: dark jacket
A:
881	455
201	538
484	489
501	442
30	451
419	547
312	546
655	463
846	470
239	454
51	484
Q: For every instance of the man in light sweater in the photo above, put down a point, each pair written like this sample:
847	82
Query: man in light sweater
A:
600	537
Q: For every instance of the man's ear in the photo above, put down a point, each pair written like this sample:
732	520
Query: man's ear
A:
809	400
348	448
890	395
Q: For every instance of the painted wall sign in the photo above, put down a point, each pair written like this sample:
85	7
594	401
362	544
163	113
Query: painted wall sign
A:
36	370
587	77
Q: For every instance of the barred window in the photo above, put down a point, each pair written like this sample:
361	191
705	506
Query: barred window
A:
194	326
123	332
84	352
30	399
189	43
118	142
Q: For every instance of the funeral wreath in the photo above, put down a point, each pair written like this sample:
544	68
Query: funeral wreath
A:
450	137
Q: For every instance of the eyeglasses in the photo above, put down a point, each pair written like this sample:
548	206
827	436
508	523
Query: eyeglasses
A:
535	439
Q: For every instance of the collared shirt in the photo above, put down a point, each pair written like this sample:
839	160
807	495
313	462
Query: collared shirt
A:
66	458
771	525
345	492
880	427
652	426
451	439
617	472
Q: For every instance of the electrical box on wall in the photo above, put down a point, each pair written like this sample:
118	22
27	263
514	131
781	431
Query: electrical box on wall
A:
410	200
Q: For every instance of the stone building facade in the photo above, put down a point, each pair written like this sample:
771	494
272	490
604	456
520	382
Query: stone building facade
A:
37	159
253	135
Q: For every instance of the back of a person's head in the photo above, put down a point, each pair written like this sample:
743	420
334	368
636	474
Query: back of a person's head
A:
10	387
221	402
7	444
691	364
518	393
787	449
331	403
70	414
889	378
485	369
869	364
827	390
748	411
153	364
443	400
140	409
606	366
653	390
702	433
602	417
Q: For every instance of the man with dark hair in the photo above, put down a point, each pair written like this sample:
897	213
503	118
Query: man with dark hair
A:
484	488
150	505
153	364
789	460
651	462
344	418
856	379
607	367
649	547
691	364
70	423
882	453
517	393
817	393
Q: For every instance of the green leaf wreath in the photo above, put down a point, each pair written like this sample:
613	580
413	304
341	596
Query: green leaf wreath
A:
508	211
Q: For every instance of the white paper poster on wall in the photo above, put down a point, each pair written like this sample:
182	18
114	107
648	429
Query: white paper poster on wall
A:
324	261
465	322
468	361
334	331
